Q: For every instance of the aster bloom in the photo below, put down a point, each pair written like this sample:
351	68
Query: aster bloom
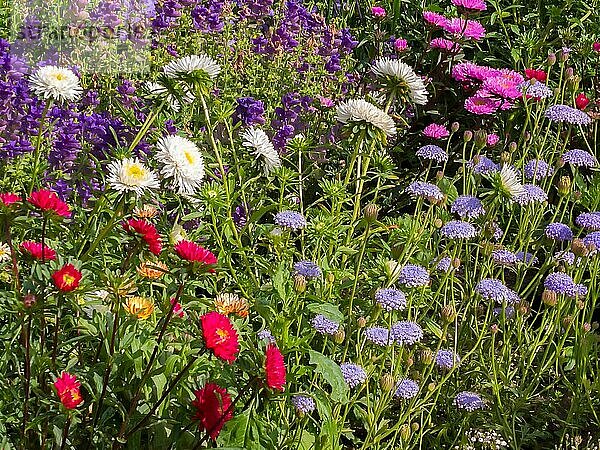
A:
378	12
507	183
303	404
435	19
359	110
467	71
152	270
194	253
274	368
390	299
471	29
182	162
467	207
579	158
67	278
49	201
535	89
168	95
400	45
433	153
148	232
492	289
445	45
130	175
589	220
188	65
457	229
482	165
469	401
406	389
538	75
402	78
561	283
257	140
324	325
446	359
4	252
67	388
564	113
412	275
505	86
290	219
147	211
213	409
531	194
55	83
228	303
307	269
581	101
537	169
558	232
474	5
220	336
34	249
140	307
379	336
480	105
436	131
406	333
8	199
353	374
504	257
425	190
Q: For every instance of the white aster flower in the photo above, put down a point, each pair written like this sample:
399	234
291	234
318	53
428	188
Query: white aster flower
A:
4	252
509	181
56	83
182	162
359	110
161	91
130	174
401	76
258	140
190	64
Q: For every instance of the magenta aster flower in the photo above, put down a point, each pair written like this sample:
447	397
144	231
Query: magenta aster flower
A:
471	29
435	19
503	86
435	131
474	5
492	139
445	44
482	105
378	12
468	71
400	45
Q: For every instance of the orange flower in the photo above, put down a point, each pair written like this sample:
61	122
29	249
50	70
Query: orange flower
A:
231	304
67	388
67	278
153	269
140	307
146	212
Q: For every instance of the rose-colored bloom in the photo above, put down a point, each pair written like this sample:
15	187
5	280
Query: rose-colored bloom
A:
148	232
190	251
468	71
67	388
469	30
474	5
275	368
492	139
435	19
581	101
177	309
8	198
596	46
503	86
67	278
35	250
378	12
326	102
445	44
400	45
534	74
435	131
480	105
213	408
48	201
220	336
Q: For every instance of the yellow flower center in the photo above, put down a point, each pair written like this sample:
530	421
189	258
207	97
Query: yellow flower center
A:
190	158
68	279
59	77
223	335
136	172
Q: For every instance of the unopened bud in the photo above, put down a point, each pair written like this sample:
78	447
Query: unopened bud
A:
439	175
551	58
505	157
448	313
567	321
569	72
387	382
488	248
405	432
299	283
549	297
577	195
330	277
431	386
564	185
480	138
339	336
587	327
371	212
526	136
563	55
414	426
426	357
409	361
438	223
494	328
579	248
455	127
456	263
468	135
595	325
523	308
29	300
512	147
361	322
580	304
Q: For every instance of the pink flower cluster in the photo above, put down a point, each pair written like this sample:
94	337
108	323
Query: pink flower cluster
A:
457	28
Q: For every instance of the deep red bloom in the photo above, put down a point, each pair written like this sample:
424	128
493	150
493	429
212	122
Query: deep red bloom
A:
275	368
8	198
539	75
581	101
596	46
67	278
220	336
35	250
190	251
48	201
212	405
67	388
148	232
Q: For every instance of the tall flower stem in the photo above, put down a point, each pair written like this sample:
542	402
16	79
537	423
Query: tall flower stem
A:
27	370
65	433
56	328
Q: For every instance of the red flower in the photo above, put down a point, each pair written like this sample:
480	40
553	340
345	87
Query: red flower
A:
148	232
213	408
48	201
539	75
596	46
67	388
177	309
581	101
67	278
220	336
35	250
275	368
8	198
190	251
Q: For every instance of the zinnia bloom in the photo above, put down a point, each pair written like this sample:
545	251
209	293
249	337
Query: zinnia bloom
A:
55	83
141	307
182	161
67	388
192	252
274	368
48	201
8	199
213	408
220	336
34	249
67	278
147	231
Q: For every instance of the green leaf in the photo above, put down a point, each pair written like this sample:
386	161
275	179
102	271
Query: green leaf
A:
329	310
279	282
332	373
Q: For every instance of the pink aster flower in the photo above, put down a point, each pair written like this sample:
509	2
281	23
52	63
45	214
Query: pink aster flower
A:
445	44
435	131
378	12
474	5
492	139
471	29
504	87
477	104
400	45
326	102
468	71
435	19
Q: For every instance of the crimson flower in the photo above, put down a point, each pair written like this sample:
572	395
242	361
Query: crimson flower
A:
8	199
67	388
275	368
581	101
213	408
67	278
48	201
34	249
220	336
190	251
539	75
177	309
148	232
596	46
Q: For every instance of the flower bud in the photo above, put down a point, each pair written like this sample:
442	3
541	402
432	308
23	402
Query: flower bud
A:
431	386
494	328
580	304
299	283
523	307
387	382
448	313
563	55
564	185
577	195
439	175
455	127
549	297
505	157
361	322
409	362
414	426
512	147
330	277
438	223
405	432
587	327
579	248
480	138
488	248
551	58
595	325
468	135
426	357
370	212
569	72
567	321
339	336
456	263
526	136
29	300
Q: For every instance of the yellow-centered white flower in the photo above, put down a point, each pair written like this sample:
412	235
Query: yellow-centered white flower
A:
182	161
130	174
55	83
